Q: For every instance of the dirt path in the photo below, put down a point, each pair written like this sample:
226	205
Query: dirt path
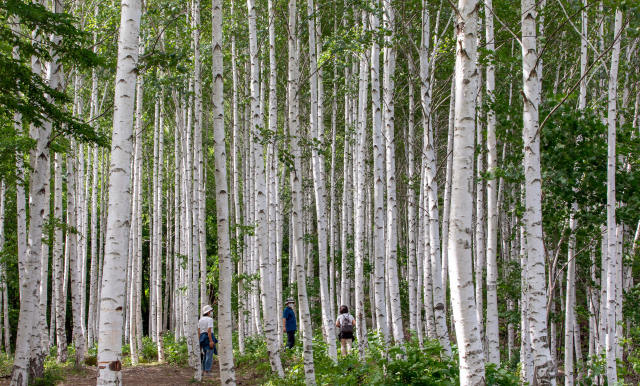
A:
156	375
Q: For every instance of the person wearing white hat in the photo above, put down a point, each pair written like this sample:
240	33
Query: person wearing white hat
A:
289	323
207	338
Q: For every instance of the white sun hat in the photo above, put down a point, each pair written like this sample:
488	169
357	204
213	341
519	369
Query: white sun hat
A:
206	309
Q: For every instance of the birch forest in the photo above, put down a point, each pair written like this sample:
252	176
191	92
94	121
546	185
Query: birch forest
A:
463	175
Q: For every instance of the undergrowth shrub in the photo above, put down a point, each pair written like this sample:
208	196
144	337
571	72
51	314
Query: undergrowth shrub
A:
53	373
413	365
175	352
149	349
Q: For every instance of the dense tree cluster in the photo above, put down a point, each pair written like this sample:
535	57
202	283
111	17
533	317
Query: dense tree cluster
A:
458	172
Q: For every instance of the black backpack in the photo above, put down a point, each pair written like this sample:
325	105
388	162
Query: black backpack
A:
346	325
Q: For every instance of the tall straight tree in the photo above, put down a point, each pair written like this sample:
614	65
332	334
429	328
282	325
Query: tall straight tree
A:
462	297
29	355
491	328
389	132
537	313
225	328
296	196
315	127
431	191
256	125
570	328
611	346
60	296
119	212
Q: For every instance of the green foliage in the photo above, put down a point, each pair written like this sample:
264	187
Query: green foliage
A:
6	365
149	349
414	365
53	374
175	352
410	365
27	93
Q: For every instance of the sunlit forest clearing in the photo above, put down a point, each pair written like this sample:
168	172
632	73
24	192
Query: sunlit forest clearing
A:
349	192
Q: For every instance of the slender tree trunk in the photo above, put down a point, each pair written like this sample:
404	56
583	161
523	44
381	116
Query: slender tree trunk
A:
296	198
58	265
479	249
93	285
262	233
3	270
612	268
570	303
431	199
316	128
333	217
537	314
158	236
492	326
415	312
74	263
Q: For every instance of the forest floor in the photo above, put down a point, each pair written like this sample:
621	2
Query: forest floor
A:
154	374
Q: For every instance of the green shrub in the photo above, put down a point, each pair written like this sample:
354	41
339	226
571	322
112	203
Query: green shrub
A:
53	373
149	349
6	365
426	366
175	352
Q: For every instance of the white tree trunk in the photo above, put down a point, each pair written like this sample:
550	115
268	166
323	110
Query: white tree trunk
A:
262	232
433	259
492	326
447	191
359	177
74	263
93	285
537	315
611	346
333	217
118	218
389	134
570	303
415	312
459	244
296	198
225	328
316	129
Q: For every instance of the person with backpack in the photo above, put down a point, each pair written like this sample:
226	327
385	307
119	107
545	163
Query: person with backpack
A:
207	339
347	323
289	325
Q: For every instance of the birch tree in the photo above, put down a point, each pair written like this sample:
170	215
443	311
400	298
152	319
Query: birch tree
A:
537	314
118	218
261	198
462	297
227	371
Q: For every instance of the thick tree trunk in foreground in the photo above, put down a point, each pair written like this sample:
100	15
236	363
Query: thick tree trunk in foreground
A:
225	328
118	217
459	244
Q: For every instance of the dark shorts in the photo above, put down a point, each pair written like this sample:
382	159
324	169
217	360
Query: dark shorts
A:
345	335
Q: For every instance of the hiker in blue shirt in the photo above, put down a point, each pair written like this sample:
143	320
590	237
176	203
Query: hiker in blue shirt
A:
289	323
